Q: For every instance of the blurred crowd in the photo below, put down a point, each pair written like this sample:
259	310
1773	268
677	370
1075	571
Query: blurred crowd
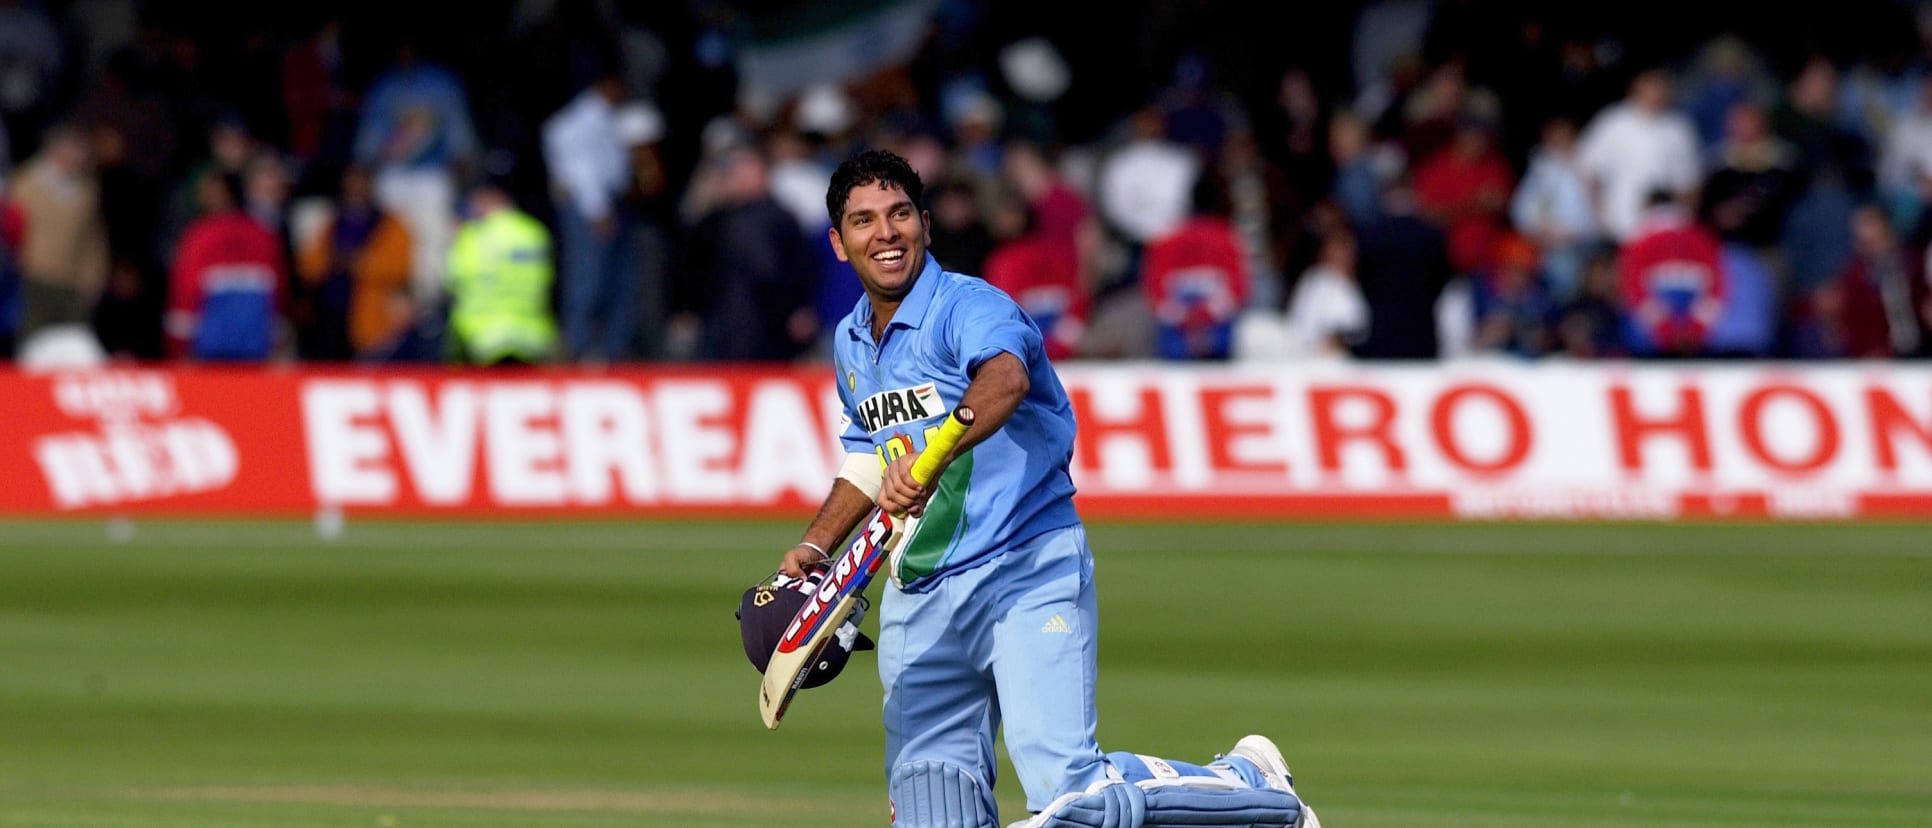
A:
592	182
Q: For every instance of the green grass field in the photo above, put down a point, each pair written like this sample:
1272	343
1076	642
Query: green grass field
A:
572	674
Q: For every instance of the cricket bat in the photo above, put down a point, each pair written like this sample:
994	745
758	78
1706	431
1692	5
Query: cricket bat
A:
838	593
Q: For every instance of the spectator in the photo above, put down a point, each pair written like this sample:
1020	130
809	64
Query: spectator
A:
1809	118
1040	274
416	136
1671	281
1751	183
266	182
827	117
1552	208
227	153
1199	114
127	319
1590	325
1834	168
1266	211
64	251
1455	313
1586	78
1747	324
1359	167
1327	316
318	99
961	241
1726	72
1293	133
1438	108
225	288
349	272
1512	308
33	64
589	170
500	278
1402	264
650	202
799	177
1038	75
1056	208
1876	289
123	98
1195	278
1144	182
973	117
1819	326
749	273
1464	188
1905	159
1059	212
1634	147
404	339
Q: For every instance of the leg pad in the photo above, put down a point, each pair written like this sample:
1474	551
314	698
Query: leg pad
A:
928	794
1170	804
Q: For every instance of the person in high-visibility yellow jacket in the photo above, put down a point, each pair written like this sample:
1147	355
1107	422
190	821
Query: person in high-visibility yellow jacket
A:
499	277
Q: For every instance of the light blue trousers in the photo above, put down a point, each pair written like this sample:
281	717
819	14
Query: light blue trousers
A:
1011	641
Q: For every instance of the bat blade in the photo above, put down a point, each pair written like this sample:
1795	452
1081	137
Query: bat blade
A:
817	622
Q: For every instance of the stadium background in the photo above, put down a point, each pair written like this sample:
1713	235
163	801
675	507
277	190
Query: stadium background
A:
332	593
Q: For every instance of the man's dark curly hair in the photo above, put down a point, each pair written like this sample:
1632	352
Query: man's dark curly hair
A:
872	166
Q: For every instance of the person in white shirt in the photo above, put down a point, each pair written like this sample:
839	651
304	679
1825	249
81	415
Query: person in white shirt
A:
1326	312
1636	146
1552	208
1905	159
1146	183
589	164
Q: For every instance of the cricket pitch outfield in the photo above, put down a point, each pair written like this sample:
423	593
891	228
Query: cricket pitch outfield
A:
250	674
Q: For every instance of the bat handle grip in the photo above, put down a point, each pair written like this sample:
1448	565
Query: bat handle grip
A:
942	444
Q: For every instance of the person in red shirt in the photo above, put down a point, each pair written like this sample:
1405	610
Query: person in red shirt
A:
1195	279
1464	188
1041	274
1866	310
1671	277
1055	209
225	288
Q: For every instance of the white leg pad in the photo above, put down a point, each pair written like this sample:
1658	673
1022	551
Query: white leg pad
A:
928	794
1195	802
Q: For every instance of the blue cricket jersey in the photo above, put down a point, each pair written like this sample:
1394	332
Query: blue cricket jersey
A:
1014	484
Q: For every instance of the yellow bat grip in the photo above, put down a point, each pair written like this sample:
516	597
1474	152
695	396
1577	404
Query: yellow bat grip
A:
941	444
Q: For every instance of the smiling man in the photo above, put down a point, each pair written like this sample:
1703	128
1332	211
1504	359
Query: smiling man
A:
989	617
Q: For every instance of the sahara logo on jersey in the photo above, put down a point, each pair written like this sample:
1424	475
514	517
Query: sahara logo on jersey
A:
901	405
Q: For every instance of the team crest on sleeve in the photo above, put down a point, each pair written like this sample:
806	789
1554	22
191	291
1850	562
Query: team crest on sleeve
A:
900	406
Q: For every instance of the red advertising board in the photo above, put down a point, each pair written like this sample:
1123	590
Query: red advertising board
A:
1476	440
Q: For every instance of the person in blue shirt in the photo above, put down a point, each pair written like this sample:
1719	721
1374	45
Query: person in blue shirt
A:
989	616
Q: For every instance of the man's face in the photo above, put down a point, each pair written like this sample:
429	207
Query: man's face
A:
883	236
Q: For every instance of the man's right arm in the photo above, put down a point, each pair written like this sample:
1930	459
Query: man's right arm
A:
844	507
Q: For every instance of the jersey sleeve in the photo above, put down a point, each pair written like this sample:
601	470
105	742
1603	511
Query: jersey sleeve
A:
985	324
852	436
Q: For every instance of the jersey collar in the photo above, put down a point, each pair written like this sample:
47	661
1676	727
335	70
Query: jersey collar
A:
912	309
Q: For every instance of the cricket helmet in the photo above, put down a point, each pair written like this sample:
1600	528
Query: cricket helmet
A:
767	608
